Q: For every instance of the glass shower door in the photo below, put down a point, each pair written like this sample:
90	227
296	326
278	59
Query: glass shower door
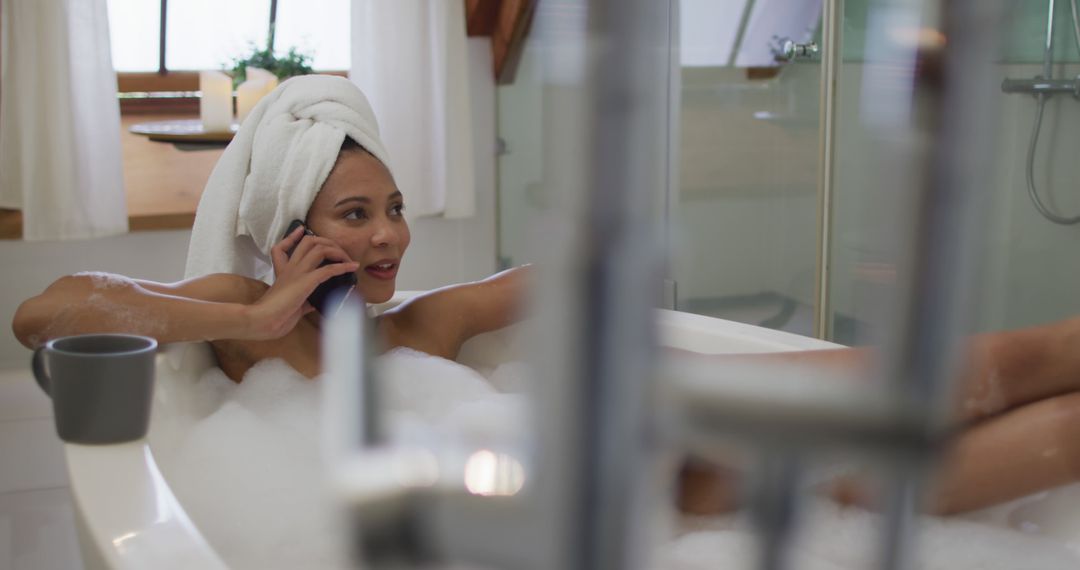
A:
1028	269
743	217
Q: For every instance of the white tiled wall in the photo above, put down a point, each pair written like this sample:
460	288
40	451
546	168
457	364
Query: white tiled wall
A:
37	520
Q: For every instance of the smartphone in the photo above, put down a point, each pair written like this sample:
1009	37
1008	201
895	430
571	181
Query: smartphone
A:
321	293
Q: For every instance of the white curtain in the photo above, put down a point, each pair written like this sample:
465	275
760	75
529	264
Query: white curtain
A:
409	57
60	120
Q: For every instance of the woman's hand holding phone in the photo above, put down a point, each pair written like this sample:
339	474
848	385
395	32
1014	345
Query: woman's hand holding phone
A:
296	277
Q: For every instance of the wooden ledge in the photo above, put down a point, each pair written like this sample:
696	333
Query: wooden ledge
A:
11	223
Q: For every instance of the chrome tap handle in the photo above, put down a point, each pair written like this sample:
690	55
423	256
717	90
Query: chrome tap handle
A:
788	50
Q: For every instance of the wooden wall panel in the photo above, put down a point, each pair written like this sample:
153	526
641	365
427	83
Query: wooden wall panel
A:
508	38
480	16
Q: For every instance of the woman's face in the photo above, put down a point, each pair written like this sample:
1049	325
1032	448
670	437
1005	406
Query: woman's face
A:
361	209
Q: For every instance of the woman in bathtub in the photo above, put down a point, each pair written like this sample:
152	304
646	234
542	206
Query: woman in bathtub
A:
359	226
1023	387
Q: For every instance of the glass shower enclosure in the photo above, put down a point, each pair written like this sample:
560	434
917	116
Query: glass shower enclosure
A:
774	209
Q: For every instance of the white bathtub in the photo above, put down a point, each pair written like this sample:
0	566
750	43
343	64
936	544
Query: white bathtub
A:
129	519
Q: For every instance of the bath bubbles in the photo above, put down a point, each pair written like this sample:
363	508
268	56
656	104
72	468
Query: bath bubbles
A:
986	397
724	549
437	403
212	389
105	280
249	473
248	468
511	377
423	384
96	309
832	537
124	317
1055	510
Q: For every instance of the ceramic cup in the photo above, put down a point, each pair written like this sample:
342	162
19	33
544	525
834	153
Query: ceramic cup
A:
101	385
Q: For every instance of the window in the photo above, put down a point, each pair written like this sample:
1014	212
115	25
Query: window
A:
134	30
208	34
708	30
320	28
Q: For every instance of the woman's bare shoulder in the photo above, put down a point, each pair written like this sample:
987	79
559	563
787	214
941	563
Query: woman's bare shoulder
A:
415	324
440	321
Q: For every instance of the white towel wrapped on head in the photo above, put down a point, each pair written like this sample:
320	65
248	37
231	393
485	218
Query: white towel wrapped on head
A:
272	170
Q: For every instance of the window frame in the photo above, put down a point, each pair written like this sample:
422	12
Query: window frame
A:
180	81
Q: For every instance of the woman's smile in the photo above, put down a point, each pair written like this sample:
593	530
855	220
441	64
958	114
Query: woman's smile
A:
384	269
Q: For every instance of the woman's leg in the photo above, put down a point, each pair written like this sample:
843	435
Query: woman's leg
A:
1022	451
705	488
1010	369
1004	370
1021	398
1019	452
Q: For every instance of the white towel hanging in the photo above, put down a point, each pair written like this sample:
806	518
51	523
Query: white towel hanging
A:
409	57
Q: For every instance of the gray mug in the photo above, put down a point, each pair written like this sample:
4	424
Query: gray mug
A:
101	385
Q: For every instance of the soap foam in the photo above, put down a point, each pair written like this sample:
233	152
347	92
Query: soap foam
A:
99	308
249	473
145	321
105	280
832	537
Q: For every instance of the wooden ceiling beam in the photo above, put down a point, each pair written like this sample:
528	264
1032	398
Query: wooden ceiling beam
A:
480	16
508	38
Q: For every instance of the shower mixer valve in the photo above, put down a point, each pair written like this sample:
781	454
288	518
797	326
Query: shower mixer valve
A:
786	49
1039	86
1043	87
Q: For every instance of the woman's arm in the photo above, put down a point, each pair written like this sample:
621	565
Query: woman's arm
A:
220	306
206	308
441	321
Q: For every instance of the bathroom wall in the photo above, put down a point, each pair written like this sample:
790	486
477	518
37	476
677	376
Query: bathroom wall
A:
1035	261
442	251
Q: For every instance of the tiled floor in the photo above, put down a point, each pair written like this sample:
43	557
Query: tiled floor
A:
37	520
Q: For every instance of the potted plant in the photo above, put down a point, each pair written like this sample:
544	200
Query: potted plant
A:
294	62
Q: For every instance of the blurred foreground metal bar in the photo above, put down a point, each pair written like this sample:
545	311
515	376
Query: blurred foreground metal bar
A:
588	480
609	277
587	500
925	355
928	109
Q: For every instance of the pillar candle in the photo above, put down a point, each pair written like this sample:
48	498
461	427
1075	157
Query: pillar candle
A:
257	73
215	101
247	95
